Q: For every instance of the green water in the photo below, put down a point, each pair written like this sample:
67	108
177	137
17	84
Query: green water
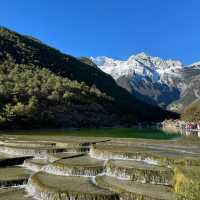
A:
103	132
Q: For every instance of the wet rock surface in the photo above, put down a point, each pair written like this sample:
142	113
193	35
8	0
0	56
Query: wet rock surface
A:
64	155
12	176
48	186
148	153
14	194
131	190
139	171
82	165
9	160
35	164
70	168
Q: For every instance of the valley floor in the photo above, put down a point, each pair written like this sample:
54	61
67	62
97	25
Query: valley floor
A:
146	133
58	165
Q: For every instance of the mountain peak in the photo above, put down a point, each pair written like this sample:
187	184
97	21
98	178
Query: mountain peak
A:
153	79
141	64
197	64
141	55
101	60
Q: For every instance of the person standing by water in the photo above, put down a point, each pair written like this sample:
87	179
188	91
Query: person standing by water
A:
198	129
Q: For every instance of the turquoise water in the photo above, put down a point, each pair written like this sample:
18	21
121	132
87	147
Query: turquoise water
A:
103	132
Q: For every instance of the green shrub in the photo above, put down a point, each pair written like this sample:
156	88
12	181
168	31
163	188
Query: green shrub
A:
31	96
190	191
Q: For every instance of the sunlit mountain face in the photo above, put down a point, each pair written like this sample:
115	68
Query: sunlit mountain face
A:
166	83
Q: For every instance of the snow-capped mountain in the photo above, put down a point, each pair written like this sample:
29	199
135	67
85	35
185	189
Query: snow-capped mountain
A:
141	64
152	79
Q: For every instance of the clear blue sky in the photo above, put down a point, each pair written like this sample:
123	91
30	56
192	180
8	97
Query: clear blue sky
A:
116	28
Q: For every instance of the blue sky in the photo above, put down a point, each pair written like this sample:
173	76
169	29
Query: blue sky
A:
115	28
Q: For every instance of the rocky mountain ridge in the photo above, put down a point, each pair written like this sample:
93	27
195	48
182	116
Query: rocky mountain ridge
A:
166	83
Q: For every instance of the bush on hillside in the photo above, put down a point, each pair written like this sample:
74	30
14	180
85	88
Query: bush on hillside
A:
192	113
33	96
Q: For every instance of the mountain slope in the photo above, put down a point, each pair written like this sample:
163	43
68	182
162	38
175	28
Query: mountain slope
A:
17	49
160	82
192	112
33	97
190	92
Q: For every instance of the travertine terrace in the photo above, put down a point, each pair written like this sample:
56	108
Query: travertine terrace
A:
66	168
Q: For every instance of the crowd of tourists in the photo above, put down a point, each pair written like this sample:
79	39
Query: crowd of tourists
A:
192	125
179	126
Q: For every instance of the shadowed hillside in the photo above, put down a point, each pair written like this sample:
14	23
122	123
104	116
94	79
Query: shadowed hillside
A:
28	62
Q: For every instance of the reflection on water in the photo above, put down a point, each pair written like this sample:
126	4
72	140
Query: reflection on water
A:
190	132
181	127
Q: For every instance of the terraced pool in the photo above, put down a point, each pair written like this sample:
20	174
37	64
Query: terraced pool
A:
62	167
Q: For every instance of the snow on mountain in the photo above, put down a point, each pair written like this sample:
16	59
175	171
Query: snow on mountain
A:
140	64
196	64
152	79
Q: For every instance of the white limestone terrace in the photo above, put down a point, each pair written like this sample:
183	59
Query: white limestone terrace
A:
140	64
76	176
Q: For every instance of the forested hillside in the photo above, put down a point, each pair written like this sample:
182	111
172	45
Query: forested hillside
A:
43	87
34	97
